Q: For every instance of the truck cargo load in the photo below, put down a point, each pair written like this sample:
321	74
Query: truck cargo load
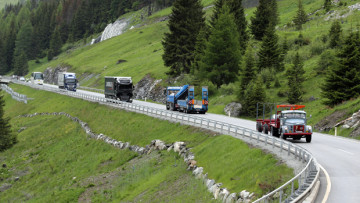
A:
183	99
119	88
67	81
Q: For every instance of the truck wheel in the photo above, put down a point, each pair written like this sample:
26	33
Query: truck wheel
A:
274	132
308	138
266	129
167	106
258	127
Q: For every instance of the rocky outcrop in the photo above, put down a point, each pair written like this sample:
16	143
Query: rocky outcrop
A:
332	121
234	109
113	30
150	88
51	74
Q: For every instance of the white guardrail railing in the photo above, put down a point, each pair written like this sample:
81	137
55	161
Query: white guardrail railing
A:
294	190
14	95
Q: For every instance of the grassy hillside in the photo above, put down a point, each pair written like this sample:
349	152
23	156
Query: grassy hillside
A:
142	50
66	153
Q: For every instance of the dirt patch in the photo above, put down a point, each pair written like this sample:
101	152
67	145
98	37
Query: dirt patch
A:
330	121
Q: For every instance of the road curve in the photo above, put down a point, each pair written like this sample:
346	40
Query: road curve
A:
339	156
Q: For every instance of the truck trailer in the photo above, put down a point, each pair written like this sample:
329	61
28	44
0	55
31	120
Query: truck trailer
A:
67	81
183	99
119	88
287	122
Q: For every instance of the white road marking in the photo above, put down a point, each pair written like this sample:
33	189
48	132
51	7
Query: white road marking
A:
346	152
328	187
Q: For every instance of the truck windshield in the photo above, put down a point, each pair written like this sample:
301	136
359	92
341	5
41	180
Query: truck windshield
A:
125	87
294	115
70	80
38	76
173	92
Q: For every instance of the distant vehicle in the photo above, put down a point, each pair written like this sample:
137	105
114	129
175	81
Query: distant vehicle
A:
119	88
67	81
183	99
22	79
37	78
289	123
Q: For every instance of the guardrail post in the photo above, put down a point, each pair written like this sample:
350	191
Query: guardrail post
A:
273	142
258	137
281	145
288	148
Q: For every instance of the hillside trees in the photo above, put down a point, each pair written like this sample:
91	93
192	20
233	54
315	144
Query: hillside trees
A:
342	81
335	34
300	17
55	44
7	138
265	15
248	73
270	53
185	23
237	10
327	5
295	75
255	93
220	63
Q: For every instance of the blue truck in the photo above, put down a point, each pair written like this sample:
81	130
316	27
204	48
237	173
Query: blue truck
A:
183	99
67	81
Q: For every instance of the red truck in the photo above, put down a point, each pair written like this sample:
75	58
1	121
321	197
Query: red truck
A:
290	122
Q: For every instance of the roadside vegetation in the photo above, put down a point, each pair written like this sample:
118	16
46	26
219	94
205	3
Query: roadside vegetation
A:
53	150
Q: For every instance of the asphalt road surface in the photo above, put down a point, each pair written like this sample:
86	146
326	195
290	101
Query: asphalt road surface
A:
340	157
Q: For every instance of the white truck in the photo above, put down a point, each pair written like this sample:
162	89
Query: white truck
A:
67	81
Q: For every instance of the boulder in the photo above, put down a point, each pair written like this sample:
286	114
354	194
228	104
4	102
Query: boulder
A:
233	108
178	146
191	164
198	171
210	183
223	194
170	148
232	198
160	145
244	194
216	190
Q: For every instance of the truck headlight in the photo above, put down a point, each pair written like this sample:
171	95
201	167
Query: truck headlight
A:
309	128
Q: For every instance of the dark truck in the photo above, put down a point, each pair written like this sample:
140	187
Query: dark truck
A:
290	122
119	88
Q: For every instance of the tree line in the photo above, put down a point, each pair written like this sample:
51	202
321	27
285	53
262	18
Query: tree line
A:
39	28
220	51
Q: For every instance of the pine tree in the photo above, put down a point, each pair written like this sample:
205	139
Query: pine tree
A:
3	67
237	10
248	73
342	81
200	47
185	23
265	15
335	34
295	76
10	45
7	138
221	59
55	44
270	53
254	94
21	66
327	5
23	38
300	17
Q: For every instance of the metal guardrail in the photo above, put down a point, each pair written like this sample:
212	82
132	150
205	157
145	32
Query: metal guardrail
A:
292	191
91	89
14	95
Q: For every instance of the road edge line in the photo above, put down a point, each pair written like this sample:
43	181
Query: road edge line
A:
328	187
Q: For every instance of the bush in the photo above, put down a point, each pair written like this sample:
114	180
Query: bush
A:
301	41
327	59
